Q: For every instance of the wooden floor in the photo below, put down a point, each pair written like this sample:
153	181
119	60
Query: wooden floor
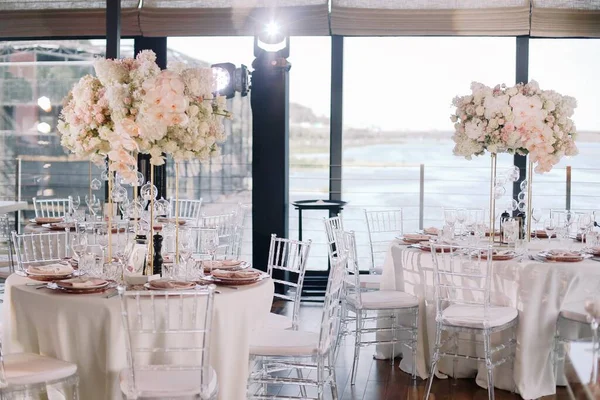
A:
379	380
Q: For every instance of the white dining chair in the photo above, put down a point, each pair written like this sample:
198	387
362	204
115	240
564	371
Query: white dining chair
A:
189	209
167	338
275	350
33	248
29	375
241	214
382	228
373	306
51	208
287	267
462	279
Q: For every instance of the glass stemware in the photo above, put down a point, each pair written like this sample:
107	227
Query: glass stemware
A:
550	227
584	222
78	243
102	240
75	202
536	217
461	216
450	217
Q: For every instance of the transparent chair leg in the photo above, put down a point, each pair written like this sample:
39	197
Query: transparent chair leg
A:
414	337
434	360
356	346
302	387
320	379
455	360
393	322
488	364
334	389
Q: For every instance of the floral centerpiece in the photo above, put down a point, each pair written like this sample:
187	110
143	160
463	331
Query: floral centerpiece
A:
132	106
521	119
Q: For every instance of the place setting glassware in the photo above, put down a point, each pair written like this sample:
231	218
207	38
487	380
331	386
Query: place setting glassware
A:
536	217
79	245
550	227
461	217
450	217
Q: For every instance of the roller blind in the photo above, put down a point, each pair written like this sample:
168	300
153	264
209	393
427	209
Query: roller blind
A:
430	17
75	18
232	17
565	18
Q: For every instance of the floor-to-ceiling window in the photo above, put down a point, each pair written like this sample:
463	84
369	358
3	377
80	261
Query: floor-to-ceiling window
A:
398	95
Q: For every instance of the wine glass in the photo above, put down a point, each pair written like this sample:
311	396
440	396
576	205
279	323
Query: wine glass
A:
102	239
96	208
89	200
78	243
461	216
550	227
75	202
583	225
450	217
536	217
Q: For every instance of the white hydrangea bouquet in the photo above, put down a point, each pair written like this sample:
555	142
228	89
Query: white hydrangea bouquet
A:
521	119
132	106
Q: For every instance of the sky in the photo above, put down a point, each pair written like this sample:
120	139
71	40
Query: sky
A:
407	83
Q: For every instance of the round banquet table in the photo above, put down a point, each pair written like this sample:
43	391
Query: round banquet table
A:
87	330
538	290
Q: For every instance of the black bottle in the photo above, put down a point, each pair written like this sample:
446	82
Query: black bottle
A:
503	217
521	218
157	261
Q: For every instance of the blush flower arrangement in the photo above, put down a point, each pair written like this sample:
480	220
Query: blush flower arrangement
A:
132	106
521	119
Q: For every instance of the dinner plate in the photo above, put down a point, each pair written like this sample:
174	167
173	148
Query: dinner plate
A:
503	256
98	283
414	238
233	282
225	265
49	274
549	257
189	286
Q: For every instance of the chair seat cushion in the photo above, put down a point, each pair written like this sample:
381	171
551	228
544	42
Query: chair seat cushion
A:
277	321
384	299
370	281
574	311
28	368
160	384
472	316
281	342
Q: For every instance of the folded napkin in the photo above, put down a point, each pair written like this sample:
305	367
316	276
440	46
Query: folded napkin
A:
564	253
243	274
416	237
170	284
431	231
82	283
231	263
595	250
51	269
211	264
47	220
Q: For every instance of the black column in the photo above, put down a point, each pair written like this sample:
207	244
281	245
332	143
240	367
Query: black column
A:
113	44
270	154
159	46
336	123
522	75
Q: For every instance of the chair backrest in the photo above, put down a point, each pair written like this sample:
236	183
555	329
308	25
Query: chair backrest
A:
225	226
332	225
120	231
330	320
168	331
382	227
5	228
289	256
461	275
347	247
51	208
188	209
33	248
241	215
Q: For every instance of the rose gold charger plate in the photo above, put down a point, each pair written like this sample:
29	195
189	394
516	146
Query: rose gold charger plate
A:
97	285
566	256
234	281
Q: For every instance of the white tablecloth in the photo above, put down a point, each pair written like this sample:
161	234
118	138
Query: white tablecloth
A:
87	330
538	290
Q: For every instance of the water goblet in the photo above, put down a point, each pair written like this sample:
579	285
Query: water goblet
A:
536	217
102	239
461	216
550	227
450	217
78	243
75	202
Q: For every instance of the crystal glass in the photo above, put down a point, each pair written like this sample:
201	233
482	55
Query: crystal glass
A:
210	242
186	245
91	261
78	243
113	271
89	200
550	226
536	217
584	223
75	202
102	239
96	208
461	217
450	217
511	230
447	234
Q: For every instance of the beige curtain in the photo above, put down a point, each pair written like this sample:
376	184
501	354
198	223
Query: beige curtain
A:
430	17
232	17
74	18
565	18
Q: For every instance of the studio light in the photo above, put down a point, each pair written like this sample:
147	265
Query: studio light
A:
271	39
45	104
231	79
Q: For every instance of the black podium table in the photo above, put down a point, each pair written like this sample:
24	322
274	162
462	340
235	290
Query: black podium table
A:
333	206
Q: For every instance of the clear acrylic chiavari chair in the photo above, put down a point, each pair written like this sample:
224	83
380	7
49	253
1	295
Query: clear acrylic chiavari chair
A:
6	242
167	335
189	210
225	224
276	350
29	376
382	228
287	267
375	306
35	248
462	294
51	208
241	215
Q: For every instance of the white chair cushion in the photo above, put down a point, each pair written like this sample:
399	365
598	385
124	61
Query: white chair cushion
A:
574	311
384	299
370	281
472	316
28	368
277	321
158	384
281	342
